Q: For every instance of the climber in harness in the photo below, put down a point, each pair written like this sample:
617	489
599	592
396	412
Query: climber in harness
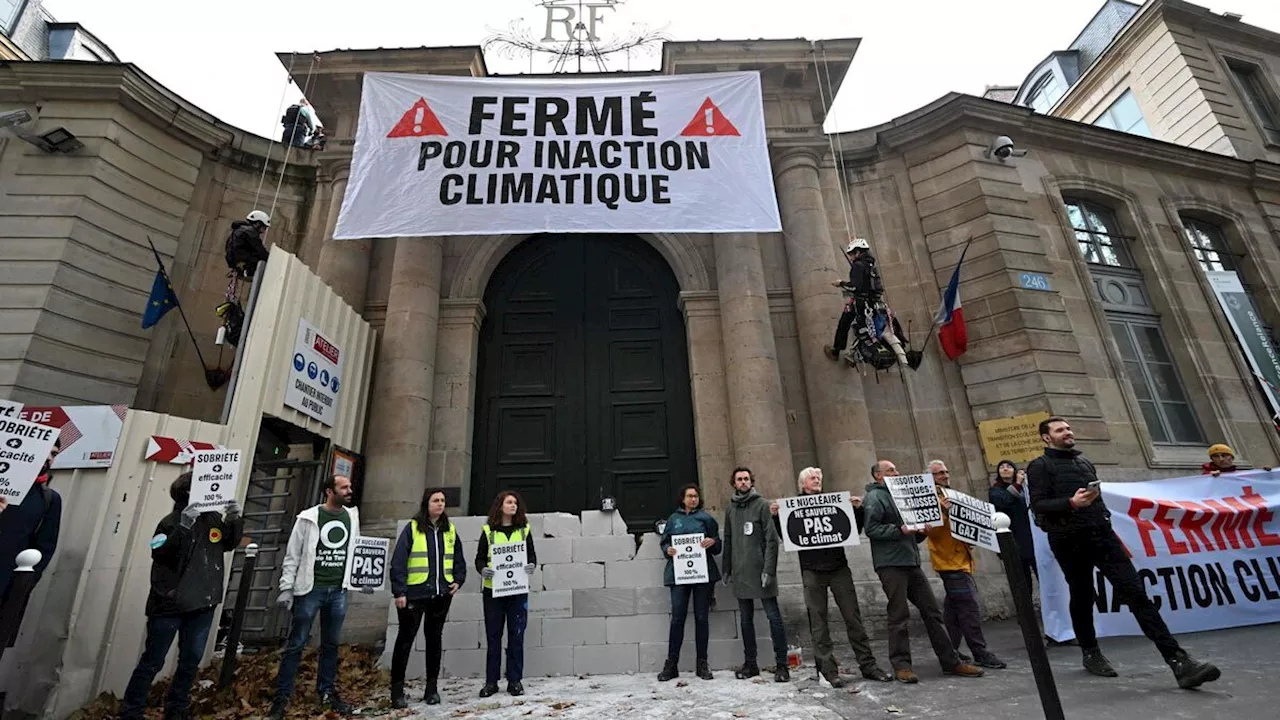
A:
299	122
244	251
877	332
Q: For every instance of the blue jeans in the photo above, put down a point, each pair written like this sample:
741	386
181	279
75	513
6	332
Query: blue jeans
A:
331	605
512	613
746	609
680	595
192	630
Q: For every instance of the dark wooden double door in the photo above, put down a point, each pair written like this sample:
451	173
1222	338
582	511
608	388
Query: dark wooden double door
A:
583	380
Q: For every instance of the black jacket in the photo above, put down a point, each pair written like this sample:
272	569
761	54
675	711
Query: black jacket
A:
187	564
823	560
1015	506
864	277
435	585
33	523
244	246
1053	478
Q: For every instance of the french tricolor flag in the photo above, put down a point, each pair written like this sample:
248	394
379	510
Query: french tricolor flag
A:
950	320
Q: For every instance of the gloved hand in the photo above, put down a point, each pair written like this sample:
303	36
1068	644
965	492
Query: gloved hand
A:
530	567
487	573
765	579
233	510
189	515
285	599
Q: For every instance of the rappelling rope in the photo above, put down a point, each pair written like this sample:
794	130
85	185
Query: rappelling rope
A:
306	88
828	101
270	146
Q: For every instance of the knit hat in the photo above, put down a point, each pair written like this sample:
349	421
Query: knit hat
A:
1221	449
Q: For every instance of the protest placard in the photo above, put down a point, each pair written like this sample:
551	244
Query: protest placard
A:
509	575
972	520
817	521
916	497
367	563
214	478
24	446
10	409
690	561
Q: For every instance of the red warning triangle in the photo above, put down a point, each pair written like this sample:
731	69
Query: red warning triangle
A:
709	122
418	122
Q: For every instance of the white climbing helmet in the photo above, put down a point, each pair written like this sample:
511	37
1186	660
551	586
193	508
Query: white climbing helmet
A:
259	217
857	244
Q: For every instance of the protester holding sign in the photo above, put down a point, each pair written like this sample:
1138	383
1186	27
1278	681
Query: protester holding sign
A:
34	523
427	569
954	563
311	580
187	553
827	568
690	519
896	556
1067	502
751	569
507	525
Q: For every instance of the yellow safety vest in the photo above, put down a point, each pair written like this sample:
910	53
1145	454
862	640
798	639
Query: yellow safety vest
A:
419	558
501	538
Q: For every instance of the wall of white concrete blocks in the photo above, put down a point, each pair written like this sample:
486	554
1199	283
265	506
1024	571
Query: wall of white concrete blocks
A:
598	605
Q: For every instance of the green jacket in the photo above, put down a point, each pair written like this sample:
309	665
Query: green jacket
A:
889	547
748	556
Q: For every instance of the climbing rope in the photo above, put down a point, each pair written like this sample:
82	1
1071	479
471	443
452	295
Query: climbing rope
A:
827	96
306	88
271	146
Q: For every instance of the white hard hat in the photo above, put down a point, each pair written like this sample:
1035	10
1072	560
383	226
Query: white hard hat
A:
857	244
259	217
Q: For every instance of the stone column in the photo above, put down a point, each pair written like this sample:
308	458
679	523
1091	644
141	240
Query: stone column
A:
710	396
344	264
757	409
400	416
841	425
457	352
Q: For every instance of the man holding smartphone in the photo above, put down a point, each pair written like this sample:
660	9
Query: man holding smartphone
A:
1066	500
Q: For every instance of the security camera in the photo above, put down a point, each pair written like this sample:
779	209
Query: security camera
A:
14	117
1002	149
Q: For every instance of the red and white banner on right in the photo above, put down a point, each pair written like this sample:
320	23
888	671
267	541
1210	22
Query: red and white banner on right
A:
1206	548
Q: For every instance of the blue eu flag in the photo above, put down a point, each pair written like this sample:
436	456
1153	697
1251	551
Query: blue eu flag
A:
162	300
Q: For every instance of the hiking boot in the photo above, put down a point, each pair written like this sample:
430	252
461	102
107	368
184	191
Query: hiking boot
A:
331	701
906	675
432	695
704	670
278	709
1192	673
514	688
489	689
964	670
877	674
1097	664
397	700
749	669
782	674
669	671
835	679
989	660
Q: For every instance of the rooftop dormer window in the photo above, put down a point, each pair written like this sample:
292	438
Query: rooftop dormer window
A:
1045	93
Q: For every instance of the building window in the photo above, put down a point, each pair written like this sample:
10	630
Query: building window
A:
1095	227
10	11
1151	371
1208	245
1045	93
1259	98
1124	115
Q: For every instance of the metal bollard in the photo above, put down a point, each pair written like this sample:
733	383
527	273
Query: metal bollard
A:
231	654
1026	613
15	604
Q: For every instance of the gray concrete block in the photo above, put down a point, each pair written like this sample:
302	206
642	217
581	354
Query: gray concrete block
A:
468	528
606	659
561	525
574	631
654	655
468	606
604	549
650	547
722	656
455	663
597	523
537	581
634	573
536	525
548	661
554	551
551	604
639	628
724	598
532	633
604	603
574	576
466	635
652	600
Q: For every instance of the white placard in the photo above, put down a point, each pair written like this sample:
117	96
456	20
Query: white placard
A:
972	520
10	409
315	375
817	521
446	155
916	497
690	561
367	563
24	446
509	575
214	478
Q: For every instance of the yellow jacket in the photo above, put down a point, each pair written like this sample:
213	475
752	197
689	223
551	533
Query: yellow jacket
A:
947	553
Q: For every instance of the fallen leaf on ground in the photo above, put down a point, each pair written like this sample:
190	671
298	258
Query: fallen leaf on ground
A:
563	705
893	709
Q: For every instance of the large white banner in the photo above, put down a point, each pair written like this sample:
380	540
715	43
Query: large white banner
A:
443	155
1207	550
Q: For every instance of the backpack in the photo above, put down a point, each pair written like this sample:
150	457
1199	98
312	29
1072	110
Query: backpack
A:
290	116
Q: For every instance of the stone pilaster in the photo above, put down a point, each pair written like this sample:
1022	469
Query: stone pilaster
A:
457	352
757	409
344	264
710	395
841	425
399	439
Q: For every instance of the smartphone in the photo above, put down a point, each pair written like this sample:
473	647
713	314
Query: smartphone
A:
1095	485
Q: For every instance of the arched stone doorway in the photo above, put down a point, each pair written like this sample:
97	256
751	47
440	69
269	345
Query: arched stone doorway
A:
583	379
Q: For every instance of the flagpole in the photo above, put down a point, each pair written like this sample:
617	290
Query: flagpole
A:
934	327
181	312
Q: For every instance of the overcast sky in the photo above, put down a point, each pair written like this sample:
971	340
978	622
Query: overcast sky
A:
221	55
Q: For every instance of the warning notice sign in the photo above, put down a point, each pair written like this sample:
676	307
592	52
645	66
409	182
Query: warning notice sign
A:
442	155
